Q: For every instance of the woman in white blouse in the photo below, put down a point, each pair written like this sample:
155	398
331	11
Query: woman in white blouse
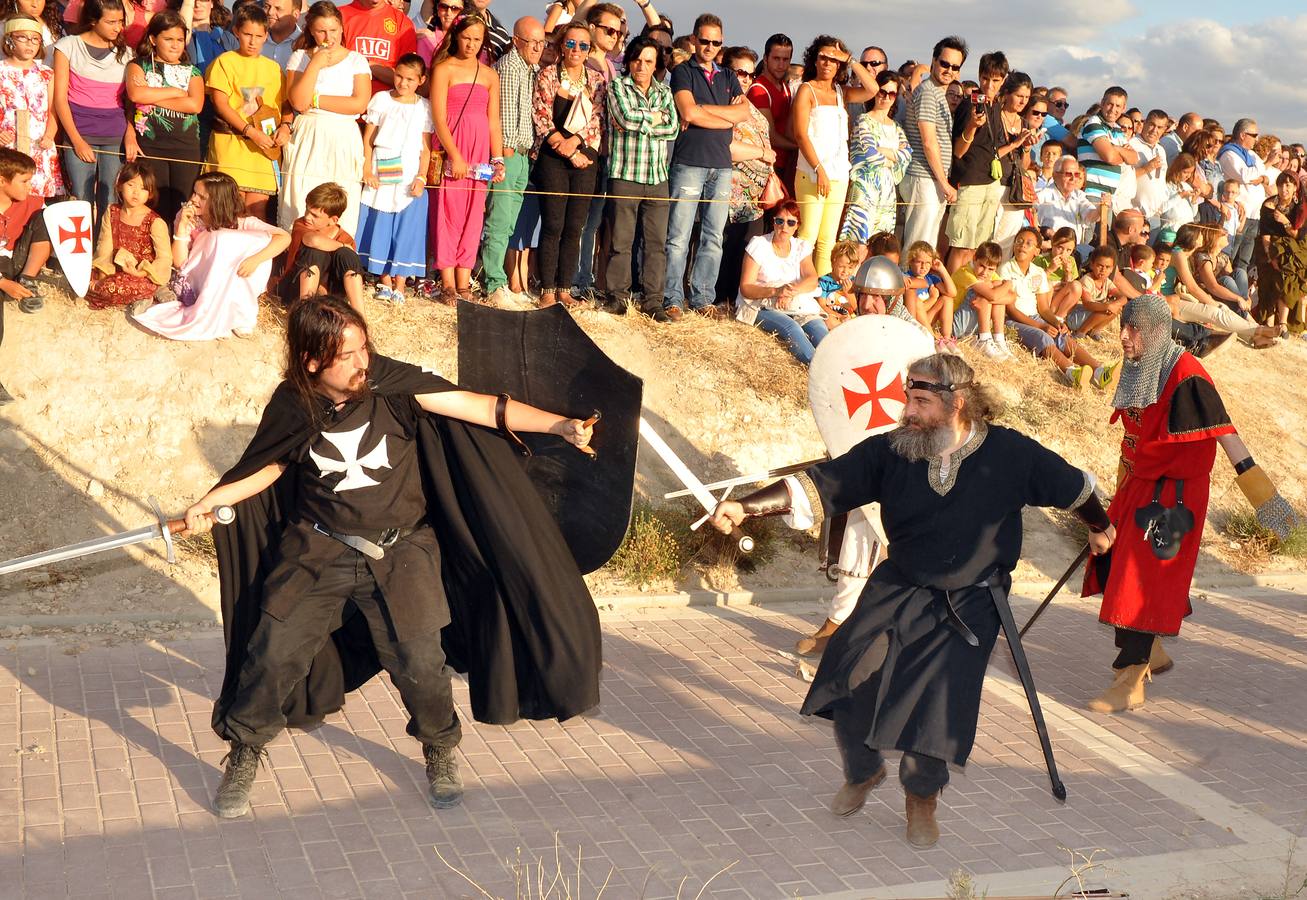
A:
329	88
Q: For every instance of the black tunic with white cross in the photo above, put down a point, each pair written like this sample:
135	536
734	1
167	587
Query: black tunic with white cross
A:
953	541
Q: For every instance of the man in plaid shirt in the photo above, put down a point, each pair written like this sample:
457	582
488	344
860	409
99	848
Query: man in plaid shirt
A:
517	76
642	124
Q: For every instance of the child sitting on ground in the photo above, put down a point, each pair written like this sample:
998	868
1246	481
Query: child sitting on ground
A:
1042	331
836	295
1100	303
929	294
1143	273
26	244
1063	270
985	297
133	258
321	258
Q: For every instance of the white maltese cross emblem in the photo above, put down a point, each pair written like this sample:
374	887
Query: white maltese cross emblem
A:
351	463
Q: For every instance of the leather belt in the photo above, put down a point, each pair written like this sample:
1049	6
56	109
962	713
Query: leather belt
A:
371	549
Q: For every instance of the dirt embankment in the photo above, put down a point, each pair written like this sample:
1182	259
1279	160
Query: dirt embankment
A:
108	415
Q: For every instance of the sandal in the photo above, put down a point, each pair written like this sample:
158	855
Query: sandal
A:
447	297
547	298
568	301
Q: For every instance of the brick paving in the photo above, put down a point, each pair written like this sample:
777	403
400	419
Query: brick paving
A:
695	761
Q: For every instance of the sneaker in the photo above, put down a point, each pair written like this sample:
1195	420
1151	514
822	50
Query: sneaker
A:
397	297
674	313
992	350
585	295
35	302
444	786
1003	347
501	297
242	765
1077	377
615	305
384	294
1103	375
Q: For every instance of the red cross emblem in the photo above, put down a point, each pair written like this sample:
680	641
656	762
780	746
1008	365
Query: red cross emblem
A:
78	233
892	391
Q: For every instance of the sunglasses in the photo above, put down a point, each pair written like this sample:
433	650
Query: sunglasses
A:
744	73
1250	134
1060	104
608	30
884	93
948	66
704	42
875	63
583	46
787	222
448	7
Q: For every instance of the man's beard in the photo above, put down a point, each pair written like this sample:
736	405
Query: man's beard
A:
914	442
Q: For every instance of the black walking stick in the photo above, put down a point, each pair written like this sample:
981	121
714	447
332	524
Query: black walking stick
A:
1066	576
1028	683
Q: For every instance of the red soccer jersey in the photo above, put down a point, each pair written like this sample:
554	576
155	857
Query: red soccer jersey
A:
380	32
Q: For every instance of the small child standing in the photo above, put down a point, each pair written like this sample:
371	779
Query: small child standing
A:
396	148
836	296
929	294
133	257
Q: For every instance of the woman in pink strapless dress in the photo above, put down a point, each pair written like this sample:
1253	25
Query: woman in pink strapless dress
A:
465	106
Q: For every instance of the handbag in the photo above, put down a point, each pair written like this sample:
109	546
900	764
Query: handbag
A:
436	165
1020	189
1164	527
773	193
579	113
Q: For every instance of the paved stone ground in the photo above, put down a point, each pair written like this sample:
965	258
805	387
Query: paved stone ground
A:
696	761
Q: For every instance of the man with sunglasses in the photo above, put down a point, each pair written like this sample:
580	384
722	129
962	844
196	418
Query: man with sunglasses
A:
710	103
928	123
1240	165
875	61
517	75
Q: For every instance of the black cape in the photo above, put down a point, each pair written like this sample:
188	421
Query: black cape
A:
902	657
523	627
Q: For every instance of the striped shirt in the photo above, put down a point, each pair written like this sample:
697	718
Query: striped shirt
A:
516	83
1100	177
928	103
639	138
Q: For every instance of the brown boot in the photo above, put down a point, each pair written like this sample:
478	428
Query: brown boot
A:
923	830
815	643
850	798
1126	692
1159	663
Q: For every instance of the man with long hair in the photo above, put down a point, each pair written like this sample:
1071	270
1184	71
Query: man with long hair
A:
381	524
905	670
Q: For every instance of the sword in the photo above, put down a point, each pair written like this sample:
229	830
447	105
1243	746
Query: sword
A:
693	485
163	527
780	472
1066	576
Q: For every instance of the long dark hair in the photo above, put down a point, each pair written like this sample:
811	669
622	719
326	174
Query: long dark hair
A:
315	332
162	21
94	10
224	206
323	9
820	43
461	24
887	77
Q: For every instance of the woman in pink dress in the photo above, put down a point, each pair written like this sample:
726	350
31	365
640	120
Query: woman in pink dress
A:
223	261
465	106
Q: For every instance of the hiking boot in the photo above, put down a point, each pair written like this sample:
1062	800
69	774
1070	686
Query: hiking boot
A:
233	797
445	788
923	830
851	798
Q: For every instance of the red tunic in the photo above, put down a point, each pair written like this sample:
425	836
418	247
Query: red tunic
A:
1175	438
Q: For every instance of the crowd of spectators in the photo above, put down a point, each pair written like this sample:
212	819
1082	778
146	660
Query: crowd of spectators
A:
386	149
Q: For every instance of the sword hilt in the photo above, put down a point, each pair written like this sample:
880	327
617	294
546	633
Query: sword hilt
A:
221	515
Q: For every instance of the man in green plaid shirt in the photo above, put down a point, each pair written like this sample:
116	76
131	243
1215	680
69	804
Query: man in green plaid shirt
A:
642	125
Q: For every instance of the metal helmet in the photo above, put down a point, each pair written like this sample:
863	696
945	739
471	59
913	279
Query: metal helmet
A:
879	276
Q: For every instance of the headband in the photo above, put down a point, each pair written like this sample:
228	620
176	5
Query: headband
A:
934	387
23	24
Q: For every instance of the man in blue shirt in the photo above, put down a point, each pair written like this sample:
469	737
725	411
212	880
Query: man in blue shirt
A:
710	104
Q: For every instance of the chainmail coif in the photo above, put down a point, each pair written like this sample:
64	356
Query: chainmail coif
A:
1142	379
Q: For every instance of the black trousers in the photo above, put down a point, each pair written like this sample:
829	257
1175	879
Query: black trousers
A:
734	239
562	218
176	165
649	207
332	266
1135	646
281	650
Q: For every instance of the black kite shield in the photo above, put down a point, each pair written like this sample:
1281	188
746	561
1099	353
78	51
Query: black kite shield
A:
542	357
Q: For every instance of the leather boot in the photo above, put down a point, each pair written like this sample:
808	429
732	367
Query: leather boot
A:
444	786
850	798
923	830
1159	662
1126	692
241	765
815	644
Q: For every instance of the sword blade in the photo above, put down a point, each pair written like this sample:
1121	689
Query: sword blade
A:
695	487
779	472
82	548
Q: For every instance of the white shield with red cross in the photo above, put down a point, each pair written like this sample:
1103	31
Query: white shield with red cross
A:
69	225
855	383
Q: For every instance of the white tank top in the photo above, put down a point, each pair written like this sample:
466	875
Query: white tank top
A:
828	129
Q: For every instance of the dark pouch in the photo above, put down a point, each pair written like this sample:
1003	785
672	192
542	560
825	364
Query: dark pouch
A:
1164	527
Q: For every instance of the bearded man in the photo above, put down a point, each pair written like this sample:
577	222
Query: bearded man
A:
381	523
1173	418
905	670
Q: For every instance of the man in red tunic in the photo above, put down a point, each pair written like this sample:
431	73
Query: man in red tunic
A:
1174	419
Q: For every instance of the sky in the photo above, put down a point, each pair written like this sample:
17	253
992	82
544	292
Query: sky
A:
1221	59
